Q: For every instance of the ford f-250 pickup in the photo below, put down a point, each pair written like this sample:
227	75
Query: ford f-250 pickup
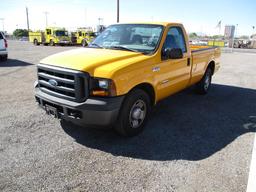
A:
123	73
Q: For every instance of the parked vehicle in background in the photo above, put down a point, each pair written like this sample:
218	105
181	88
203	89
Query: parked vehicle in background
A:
51	36
3	47
23	39
83	37
245	44
219	43
123	73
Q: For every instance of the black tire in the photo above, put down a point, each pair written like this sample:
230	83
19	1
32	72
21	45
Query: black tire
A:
3	57
52	43
36	42
203	86
133	114
84	43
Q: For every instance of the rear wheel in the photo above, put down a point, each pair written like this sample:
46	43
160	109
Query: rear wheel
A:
84	43
3	57
36	42
204	85
134	113
52	43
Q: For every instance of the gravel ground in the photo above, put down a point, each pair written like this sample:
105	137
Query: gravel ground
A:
191	143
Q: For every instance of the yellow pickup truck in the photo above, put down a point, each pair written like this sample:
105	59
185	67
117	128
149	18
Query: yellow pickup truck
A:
51	36
123	73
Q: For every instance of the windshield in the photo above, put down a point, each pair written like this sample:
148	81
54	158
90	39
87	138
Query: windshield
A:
61	33
92	34
142	38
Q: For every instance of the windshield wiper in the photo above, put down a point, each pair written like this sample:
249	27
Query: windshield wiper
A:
122	48
96	45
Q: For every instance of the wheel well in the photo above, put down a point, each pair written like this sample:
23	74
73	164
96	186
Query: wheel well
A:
148	88
212	66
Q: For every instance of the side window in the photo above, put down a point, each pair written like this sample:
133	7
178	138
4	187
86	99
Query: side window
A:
175	39
1	36
48	31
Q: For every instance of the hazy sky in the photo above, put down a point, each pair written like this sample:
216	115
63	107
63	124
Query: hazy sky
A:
196	15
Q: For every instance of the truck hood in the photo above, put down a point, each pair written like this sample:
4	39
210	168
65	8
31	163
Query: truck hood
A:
90	59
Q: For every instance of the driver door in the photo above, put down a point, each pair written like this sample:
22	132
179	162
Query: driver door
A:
174	73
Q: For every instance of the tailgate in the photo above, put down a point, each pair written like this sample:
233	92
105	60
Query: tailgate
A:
2	44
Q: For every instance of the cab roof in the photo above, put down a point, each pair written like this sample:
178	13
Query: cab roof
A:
152	23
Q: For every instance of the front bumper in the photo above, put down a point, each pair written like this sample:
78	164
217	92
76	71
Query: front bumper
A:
64	42
93	112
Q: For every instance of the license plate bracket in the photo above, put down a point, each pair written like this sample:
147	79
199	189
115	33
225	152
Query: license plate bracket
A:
52	111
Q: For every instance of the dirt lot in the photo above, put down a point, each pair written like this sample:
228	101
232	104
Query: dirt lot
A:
191	143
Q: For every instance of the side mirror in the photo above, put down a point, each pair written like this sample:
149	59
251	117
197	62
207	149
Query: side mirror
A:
174	53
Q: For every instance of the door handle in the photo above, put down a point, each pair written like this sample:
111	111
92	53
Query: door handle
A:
156	69
188	62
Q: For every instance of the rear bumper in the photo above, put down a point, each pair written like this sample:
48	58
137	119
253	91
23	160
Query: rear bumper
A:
100	112
3	52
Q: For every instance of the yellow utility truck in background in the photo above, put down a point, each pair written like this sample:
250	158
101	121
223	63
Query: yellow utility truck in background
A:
122	74
83	36
51	36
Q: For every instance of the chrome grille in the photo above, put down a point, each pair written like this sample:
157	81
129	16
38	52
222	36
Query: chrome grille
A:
70	84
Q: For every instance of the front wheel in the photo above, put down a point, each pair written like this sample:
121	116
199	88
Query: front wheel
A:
134	113
204	85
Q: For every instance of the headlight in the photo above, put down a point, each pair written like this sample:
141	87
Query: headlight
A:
102	87
103	83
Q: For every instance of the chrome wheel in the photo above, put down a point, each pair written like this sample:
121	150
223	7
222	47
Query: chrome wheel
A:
137	113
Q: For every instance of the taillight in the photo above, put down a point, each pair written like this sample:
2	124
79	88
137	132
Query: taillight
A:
5	43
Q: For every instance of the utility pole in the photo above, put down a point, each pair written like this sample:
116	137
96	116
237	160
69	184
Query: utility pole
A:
117	11
27	18
85	16
236	31
46	19
100	21
2	19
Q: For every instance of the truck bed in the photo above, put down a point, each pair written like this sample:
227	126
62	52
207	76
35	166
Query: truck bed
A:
201	56
196	48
